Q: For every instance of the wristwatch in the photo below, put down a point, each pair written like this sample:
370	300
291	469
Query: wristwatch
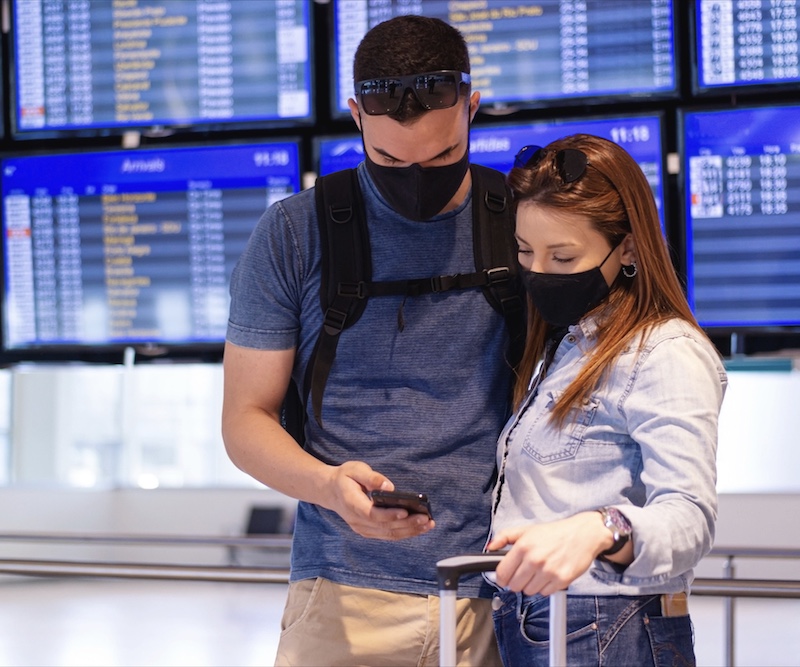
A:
619	526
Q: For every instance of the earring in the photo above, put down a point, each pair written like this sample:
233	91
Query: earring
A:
630	271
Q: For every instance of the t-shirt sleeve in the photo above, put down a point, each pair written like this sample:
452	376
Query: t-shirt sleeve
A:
265	286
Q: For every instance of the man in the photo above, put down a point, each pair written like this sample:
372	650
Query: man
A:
419	389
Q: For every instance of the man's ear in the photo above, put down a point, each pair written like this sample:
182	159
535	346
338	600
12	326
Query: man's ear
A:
474	103
354	112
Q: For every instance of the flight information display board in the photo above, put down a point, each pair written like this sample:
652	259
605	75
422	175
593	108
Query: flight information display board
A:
126	247
531	53
141	63
495	146
742	209
746	43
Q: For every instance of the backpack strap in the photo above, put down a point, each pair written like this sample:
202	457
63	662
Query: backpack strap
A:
347	266
493	226
346	271
494	250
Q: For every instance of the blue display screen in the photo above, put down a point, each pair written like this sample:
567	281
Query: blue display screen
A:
532	54
741	176
497	145
83	65
125	247
746	43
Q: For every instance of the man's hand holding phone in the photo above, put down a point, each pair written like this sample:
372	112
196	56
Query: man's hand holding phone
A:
413	521
347	492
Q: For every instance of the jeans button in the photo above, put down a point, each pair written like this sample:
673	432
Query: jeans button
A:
497	602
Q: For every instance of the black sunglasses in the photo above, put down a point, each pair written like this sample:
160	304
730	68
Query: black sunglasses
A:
434	90
570	162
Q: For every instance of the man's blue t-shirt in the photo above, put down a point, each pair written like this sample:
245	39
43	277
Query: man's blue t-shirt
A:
423	405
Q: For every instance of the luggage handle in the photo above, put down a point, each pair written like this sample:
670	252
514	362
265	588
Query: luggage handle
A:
450	570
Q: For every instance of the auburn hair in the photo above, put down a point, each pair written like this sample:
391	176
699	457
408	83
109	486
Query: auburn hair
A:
614	194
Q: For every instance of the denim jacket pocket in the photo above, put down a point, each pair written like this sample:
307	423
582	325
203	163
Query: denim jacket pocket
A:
545	443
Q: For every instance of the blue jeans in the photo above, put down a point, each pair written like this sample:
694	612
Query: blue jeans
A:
615	631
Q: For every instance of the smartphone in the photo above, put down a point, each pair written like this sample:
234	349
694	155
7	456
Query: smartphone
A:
415	503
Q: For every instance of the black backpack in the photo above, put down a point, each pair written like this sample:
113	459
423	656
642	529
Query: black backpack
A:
347	274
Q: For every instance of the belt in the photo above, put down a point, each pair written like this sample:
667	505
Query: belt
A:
674	604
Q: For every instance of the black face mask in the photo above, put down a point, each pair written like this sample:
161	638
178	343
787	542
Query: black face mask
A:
418	193
563	299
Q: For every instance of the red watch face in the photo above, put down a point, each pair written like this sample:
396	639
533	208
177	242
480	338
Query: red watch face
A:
618	520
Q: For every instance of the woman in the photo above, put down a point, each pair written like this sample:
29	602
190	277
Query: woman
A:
608	465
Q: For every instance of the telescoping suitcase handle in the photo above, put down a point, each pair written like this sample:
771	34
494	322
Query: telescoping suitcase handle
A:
449	571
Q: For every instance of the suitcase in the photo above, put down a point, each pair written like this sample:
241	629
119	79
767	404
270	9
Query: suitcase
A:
449	571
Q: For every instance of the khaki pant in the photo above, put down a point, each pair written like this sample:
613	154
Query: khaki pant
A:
327	624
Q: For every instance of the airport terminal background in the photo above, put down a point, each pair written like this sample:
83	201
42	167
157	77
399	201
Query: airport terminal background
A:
142	139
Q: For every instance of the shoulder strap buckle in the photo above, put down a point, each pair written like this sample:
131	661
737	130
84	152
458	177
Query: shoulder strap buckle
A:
444	283
340	214
497	275
334	321
494	202
357	290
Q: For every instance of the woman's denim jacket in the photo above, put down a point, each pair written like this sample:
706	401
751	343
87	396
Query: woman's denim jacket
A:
645	442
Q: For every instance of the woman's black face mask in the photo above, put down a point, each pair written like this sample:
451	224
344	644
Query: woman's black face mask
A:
564	298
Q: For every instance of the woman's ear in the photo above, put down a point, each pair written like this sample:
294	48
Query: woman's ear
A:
628	255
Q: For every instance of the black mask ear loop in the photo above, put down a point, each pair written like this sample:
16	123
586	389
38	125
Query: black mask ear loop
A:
613	248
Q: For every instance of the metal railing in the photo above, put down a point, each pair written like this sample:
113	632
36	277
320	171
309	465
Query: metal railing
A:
730	588
230	572
727	587
279	541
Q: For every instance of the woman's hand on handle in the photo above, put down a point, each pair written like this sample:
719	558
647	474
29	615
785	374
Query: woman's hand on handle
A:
548	557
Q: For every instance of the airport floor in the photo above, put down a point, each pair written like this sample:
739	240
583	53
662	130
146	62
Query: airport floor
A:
64	622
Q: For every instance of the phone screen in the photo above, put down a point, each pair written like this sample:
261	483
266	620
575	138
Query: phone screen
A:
415	503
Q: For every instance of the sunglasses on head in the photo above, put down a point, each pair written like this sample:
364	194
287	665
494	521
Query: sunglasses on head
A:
570	162
433	90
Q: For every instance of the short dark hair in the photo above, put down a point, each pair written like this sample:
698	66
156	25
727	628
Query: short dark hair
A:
410	44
